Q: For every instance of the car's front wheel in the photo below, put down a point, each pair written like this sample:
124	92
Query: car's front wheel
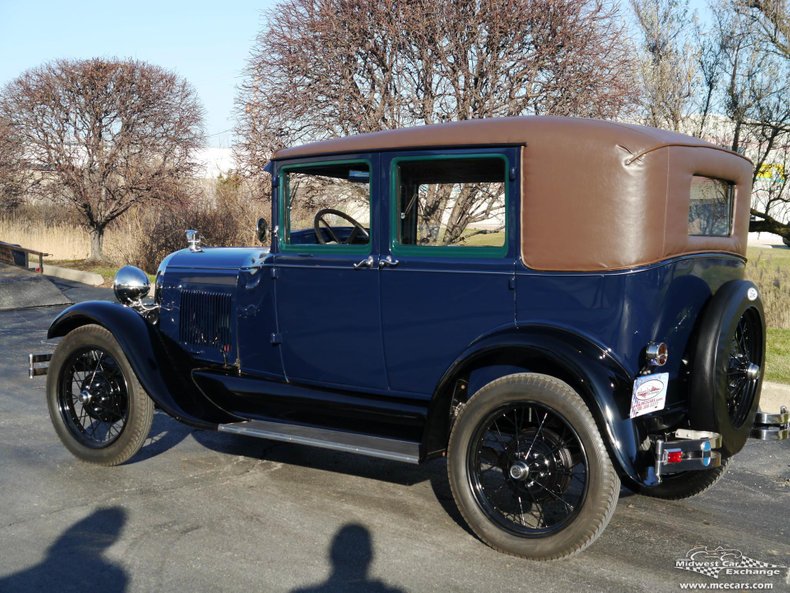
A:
528	468
97	406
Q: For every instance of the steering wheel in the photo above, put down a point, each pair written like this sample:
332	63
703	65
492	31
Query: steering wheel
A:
357	230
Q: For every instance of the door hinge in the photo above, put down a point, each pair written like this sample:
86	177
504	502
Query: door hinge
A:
276	339
275	273
511	284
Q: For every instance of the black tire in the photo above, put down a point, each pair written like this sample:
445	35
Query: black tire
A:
685	484
724	392
528	468
98	408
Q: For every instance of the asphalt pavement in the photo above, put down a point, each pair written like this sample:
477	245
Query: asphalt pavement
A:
202	511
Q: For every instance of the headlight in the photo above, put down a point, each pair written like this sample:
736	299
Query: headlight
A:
130	285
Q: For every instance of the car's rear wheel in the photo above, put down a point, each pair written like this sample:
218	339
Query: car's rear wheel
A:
98	408
528	468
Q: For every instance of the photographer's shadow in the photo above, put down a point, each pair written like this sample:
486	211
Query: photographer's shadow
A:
76	561
351	555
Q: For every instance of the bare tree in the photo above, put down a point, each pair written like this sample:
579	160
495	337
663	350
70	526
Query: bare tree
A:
750	85
668	68
11	168
772	18
324	68
103	135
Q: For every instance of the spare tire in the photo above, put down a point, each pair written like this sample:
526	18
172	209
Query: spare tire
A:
728	364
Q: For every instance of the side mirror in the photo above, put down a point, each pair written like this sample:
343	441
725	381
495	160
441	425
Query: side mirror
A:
262	229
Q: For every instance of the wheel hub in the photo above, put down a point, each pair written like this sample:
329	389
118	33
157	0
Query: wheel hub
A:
537	465
85	396
97	399
519	470
752	371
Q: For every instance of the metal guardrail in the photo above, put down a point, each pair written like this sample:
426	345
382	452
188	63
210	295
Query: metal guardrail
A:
16	255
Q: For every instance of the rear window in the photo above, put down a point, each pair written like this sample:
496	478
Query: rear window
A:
710	207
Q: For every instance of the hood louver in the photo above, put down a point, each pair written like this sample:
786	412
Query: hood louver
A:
205	319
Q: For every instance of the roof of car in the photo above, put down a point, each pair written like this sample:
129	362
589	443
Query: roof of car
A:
525	130
595	195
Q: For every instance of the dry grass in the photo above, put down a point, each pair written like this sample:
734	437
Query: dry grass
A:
69	242
63	241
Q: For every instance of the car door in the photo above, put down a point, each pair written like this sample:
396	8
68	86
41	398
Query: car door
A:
326	273
447	273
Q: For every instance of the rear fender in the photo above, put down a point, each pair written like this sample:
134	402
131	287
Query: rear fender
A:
162	368
589	368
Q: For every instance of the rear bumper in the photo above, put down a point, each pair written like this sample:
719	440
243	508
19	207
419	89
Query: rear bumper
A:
770	427
686	450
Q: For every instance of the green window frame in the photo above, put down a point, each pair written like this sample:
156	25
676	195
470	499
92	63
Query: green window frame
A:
284	211
460	251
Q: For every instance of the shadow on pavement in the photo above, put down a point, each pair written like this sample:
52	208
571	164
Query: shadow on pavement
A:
75	562
165	434
351	555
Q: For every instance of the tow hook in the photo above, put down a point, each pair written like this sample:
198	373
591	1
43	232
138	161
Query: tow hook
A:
769	427
686	450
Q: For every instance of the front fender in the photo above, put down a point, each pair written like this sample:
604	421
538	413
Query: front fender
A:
589	368
162	369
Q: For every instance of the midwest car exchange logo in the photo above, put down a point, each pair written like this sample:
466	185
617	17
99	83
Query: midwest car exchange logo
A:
727	562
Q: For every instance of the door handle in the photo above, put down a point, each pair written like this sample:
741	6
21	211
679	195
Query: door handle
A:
365	263
388	261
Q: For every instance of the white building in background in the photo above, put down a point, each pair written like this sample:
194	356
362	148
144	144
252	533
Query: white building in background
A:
215	161
217	157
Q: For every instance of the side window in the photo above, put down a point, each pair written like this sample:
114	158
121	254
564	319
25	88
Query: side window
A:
454	202
326	204
710	207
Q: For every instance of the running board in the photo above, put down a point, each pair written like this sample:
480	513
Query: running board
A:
324	438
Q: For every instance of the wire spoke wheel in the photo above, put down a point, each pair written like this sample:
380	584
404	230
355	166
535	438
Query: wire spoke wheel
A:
92	397
528	470
743	366
98	408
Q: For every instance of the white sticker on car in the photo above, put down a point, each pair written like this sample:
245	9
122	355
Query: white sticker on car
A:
650	394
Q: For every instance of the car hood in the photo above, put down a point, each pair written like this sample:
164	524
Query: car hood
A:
215	258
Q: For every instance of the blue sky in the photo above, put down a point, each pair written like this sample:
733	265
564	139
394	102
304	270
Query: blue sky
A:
205	42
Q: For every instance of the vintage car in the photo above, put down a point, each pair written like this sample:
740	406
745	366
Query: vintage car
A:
555	305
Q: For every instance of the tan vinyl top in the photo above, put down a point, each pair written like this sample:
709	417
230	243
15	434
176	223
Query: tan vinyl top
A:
595	195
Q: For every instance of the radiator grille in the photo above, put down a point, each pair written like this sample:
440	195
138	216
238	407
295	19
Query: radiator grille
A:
205	318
